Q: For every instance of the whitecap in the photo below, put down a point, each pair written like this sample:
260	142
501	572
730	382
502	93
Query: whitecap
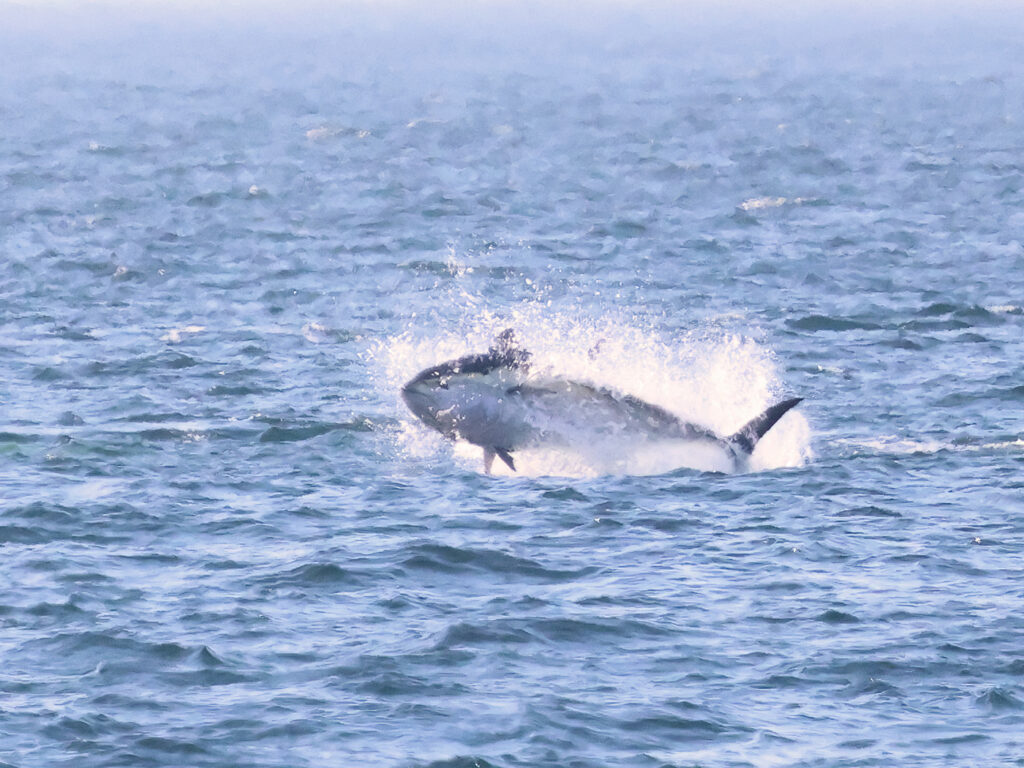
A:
315	332
321	133
760	203
175	335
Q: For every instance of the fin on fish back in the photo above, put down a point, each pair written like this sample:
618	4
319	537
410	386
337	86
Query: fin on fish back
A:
506	346
748	435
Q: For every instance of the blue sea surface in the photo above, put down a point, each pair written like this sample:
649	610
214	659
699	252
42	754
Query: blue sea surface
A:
228	237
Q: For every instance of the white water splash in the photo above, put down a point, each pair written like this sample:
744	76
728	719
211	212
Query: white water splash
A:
706	377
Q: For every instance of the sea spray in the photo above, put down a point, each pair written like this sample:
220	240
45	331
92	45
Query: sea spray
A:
706	376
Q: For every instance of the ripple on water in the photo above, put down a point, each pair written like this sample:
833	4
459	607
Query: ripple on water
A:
450	560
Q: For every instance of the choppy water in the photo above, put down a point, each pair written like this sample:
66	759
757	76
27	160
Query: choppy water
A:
224	542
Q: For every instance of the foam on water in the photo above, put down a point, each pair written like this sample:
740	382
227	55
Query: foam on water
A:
895	445
706	376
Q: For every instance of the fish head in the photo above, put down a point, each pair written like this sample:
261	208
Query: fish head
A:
428	396
465	397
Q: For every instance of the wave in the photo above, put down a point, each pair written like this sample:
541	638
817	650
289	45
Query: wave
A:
894	445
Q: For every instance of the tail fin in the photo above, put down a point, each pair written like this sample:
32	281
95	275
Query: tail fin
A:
746	439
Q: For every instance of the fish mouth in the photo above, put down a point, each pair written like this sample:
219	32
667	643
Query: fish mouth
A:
415	398
422	404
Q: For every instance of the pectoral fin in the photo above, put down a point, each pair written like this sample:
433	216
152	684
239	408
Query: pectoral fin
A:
506	457
490	453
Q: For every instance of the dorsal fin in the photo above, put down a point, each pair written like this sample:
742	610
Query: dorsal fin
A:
507	347
748	435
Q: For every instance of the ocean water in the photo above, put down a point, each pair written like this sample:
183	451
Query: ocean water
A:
228	237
